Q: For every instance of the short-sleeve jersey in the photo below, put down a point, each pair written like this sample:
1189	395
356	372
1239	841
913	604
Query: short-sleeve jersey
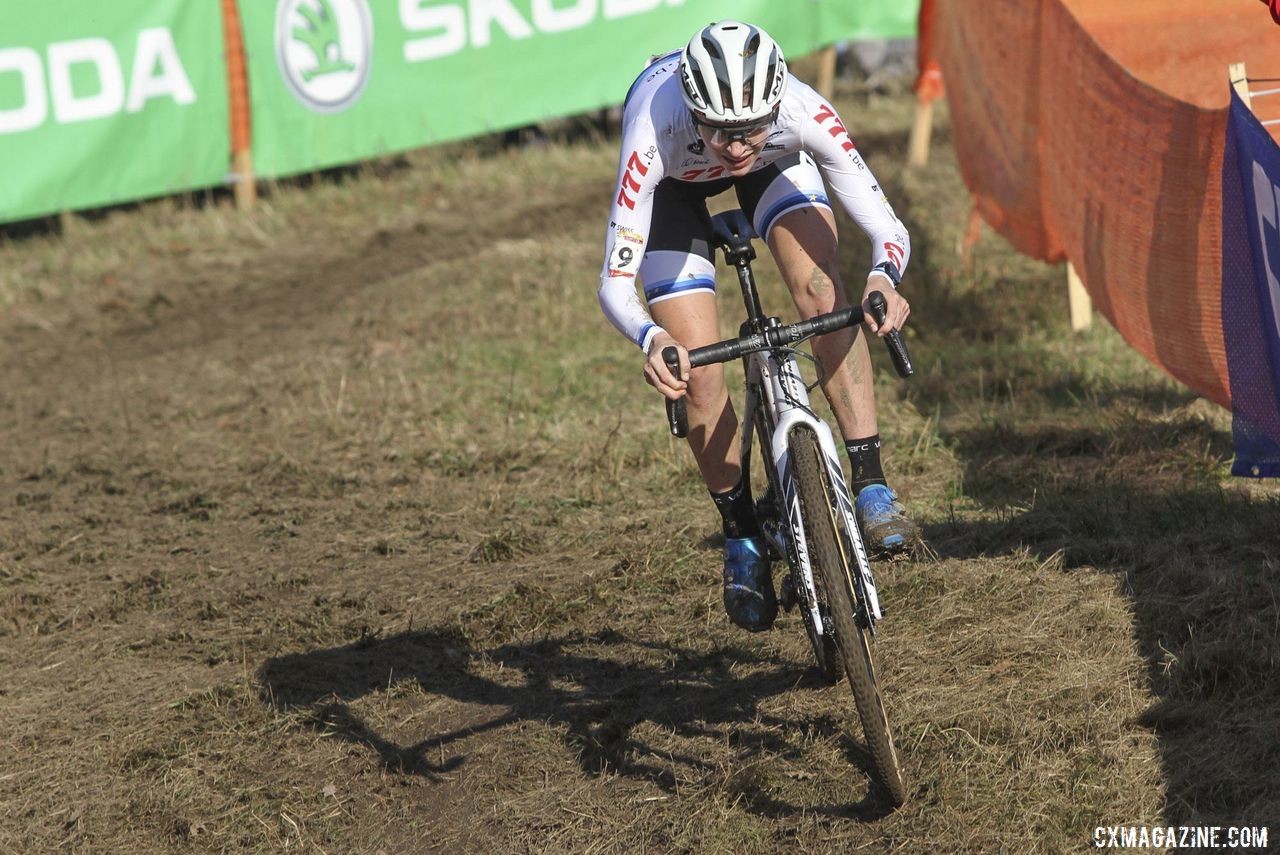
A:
659	140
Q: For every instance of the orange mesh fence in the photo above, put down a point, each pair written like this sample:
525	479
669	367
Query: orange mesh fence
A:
1093	130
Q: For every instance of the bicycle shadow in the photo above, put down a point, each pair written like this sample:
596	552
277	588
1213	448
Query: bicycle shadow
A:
1200	565
596	701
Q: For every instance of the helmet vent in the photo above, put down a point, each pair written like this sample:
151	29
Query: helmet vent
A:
733	73
699	82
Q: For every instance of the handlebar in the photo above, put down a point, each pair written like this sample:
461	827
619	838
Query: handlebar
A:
780	336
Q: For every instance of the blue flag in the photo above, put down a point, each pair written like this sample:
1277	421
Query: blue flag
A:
1251	290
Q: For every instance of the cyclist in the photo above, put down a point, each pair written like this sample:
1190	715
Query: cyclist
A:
724	112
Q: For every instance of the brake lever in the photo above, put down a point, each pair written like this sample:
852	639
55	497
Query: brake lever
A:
677	414
894	341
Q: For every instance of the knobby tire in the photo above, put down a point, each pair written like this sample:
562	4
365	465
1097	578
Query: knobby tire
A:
832	571
824	652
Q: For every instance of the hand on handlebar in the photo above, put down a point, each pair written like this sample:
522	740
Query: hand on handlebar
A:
897	309
656	373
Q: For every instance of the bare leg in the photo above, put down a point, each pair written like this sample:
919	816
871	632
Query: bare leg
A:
713	427
804	246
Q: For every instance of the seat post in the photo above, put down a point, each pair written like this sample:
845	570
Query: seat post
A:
732	232
750	295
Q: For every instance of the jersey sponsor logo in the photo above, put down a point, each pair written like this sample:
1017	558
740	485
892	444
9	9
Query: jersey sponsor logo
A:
661	70
629	181
895	253
324	49
84	79
622	256
704	174
831	123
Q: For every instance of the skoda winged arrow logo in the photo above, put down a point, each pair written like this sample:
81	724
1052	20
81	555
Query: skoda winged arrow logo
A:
324	49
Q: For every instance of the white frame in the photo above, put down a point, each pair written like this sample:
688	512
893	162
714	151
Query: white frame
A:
787	400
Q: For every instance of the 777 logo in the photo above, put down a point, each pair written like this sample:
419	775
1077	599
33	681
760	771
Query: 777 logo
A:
827	116
635	166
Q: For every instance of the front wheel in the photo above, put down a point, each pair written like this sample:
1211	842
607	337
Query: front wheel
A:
773	516
831	559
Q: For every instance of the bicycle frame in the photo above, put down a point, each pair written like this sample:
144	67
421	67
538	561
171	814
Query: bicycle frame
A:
777	392
774	375
774	383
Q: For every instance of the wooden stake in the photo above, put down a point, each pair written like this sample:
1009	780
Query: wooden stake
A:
1235	72
826	79
246	186
1081	306
921	132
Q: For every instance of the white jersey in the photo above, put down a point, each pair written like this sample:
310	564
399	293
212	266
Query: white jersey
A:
659	141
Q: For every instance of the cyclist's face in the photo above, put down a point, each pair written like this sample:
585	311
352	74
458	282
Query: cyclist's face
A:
735	147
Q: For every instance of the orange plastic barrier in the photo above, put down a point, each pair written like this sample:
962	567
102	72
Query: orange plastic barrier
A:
1093	130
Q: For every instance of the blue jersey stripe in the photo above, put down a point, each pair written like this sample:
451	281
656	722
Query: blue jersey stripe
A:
793	200
644	331
664	289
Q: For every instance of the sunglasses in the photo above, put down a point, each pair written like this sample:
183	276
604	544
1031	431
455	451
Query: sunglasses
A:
751	134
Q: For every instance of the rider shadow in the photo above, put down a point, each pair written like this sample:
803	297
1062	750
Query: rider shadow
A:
596	700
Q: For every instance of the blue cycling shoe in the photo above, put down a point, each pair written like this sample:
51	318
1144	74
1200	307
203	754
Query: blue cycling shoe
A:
885	527
749	598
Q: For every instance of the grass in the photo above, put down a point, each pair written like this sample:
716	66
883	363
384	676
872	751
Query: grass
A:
347	524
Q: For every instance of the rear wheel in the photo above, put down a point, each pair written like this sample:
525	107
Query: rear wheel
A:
830	558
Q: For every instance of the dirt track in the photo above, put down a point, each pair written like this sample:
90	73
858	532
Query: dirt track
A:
347	527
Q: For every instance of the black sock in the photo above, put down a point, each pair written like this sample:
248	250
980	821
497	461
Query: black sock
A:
737	512
864	455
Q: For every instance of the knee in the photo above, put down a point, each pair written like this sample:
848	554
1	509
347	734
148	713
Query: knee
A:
817	290
706	386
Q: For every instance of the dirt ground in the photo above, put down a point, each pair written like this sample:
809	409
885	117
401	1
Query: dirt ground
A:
348	526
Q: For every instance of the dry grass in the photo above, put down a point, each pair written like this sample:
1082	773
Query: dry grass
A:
348	525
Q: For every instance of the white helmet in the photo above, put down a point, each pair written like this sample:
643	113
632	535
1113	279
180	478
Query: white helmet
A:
731	72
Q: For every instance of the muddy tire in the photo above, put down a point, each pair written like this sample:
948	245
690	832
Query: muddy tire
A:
832	574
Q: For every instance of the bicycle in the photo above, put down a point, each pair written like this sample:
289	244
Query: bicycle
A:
814	525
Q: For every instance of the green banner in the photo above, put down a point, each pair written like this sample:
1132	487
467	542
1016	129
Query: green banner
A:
109	101
333	81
